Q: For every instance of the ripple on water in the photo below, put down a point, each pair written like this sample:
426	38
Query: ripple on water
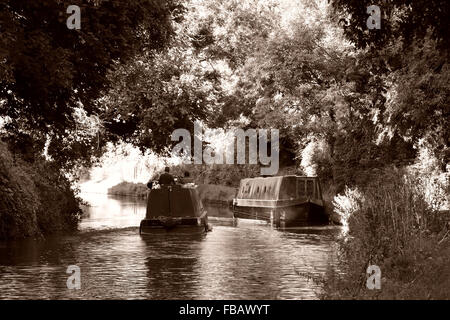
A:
232	262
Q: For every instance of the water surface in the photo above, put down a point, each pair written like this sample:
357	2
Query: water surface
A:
234	261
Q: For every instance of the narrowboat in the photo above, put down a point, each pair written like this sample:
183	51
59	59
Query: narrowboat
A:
283	201
174	208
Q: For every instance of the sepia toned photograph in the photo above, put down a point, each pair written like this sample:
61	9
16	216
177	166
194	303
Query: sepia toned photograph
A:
223	150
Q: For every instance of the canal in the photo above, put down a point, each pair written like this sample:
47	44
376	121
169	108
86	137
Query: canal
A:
234	261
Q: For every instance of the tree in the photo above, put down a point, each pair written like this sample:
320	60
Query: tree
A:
401	20
48	71
410	55
153	95
316	90
419	105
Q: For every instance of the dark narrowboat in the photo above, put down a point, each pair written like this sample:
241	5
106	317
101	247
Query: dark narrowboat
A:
174	208
284	201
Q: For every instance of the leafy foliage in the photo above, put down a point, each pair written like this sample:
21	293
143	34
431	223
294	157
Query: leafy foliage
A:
401	20
153	96
35	199
48	70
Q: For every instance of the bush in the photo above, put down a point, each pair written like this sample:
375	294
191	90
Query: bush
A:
217	193
129	189
391	225
346	205
220	174
35	197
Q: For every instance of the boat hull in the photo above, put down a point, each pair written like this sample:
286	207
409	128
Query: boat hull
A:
160	225
303	214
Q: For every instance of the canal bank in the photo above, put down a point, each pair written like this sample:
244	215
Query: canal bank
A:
211	194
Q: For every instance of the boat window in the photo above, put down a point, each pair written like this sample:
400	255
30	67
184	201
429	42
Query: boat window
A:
289	188
318	191
310	188
301	188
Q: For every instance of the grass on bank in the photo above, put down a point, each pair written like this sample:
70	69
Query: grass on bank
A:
390	224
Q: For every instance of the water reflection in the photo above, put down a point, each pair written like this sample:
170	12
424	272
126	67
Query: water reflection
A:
109	211
234	261
172	266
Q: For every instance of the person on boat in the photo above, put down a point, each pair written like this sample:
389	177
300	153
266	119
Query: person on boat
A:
166	178
187	178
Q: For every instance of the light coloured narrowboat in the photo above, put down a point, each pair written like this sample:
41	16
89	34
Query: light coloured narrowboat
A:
284	201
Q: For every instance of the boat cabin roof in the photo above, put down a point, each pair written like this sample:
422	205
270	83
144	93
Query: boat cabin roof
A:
280	187
174	201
